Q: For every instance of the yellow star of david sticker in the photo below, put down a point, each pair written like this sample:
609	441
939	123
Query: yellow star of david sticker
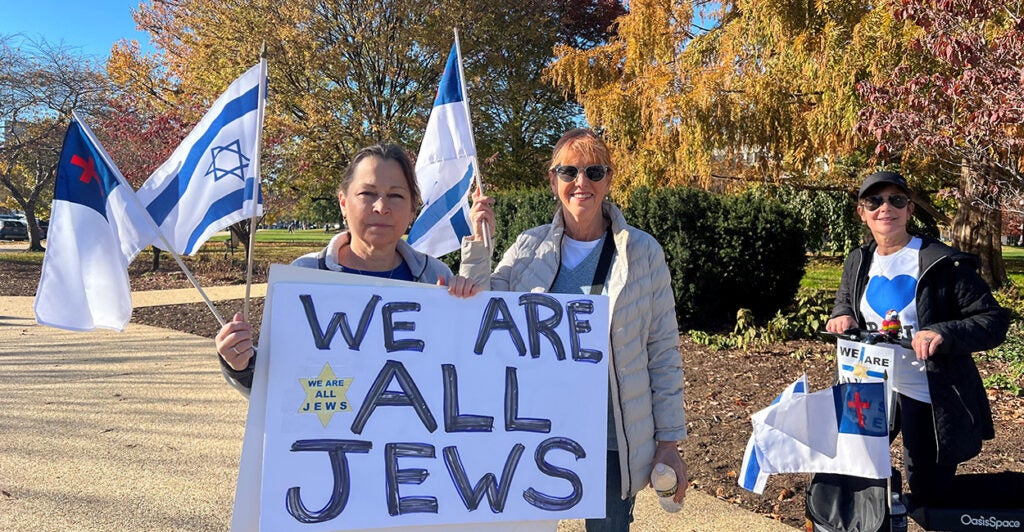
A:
325	395
860	371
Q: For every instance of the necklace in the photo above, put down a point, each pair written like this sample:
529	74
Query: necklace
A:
885	262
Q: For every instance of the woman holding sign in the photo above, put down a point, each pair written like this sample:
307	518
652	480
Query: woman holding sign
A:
947	310
589	248
379	197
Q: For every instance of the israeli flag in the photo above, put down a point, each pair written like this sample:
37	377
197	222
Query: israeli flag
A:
840	430
445	167
95	223
752	477
211	180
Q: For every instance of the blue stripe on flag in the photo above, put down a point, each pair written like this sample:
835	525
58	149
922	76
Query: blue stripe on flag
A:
435	212
460	226
163	204
751	467
798	387
753	470
250	184
450	90
220	208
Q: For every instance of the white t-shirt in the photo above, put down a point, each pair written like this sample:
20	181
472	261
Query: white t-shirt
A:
892	285
574	251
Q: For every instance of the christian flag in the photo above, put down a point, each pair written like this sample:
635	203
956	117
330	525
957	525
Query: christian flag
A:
209	182
840	430
95	230
445	167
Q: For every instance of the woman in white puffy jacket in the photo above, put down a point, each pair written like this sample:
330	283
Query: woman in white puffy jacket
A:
589	248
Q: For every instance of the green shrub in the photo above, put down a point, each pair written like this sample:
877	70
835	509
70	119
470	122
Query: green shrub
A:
684	221
828	217
724	253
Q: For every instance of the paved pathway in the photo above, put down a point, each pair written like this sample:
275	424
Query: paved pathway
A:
138	431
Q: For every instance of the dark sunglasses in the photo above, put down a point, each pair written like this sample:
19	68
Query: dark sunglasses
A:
872	203
568	174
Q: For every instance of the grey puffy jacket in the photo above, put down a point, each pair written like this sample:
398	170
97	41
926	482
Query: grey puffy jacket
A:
645	368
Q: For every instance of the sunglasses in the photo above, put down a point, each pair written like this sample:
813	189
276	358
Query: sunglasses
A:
872	203
568	174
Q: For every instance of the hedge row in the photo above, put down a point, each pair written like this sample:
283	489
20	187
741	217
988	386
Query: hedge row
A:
724	252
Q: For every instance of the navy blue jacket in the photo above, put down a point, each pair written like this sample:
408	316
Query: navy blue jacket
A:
954	301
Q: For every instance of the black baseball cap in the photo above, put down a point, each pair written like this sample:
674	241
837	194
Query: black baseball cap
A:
880	178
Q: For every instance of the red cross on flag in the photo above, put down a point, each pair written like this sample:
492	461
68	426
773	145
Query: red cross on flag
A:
96	229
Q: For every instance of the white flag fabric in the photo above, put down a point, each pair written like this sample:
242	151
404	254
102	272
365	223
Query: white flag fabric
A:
840	430
445	167
208	183
752	477
95	228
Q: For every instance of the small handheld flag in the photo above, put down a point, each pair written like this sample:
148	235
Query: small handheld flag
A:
445	167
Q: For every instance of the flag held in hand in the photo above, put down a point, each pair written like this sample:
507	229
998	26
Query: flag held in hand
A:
445	167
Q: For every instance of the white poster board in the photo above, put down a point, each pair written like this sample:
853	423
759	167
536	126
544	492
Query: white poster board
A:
861	362
402	406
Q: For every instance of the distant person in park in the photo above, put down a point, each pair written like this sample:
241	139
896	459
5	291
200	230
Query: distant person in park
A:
379	198
588	248
947	311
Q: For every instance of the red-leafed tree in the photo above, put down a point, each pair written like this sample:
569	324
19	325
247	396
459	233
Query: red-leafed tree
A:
138	136
957	99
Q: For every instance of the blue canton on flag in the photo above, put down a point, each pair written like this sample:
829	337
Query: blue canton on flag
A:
445	168
96	228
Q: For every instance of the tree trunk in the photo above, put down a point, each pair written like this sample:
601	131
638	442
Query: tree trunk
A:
976	228
240	232
156	258
35	240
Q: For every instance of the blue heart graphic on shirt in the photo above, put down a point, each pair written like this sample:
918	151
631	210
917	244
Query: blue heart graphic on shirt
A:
886	294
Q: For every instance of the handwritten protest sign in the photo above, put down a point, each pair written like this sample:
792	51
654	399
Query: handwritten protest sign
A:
388	406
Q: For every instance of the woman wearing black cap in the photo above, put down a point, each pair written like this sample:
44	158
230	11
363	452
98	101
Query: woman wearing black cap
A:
949	313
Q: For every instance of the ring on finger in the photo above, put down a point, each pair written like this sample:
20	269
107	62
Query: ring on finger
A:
235	349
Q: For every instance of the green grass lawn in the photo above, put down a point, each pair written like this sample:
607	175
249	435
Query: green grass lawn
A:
311	236
823	273
1014	258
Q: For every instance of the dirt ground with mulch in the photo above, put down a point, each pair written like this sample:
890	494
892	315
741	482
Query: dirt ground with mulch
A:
723	388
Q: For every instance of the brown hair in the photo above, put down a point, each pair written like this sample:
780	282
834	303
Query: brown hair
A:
583	141
392	152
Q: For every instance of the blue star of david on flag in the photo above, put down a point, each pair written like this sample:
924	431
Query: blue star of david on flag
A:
224	157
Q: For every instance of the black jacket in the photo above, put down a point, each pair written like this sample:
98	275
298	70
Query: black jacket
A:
954	301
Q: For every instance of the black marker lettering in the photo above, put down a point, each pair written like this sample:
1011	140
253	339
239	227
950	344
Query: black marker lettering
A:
453	421
578	327
323	338
390	326
497	492
336	449
512	420
549	502
407	505
491	321
536	326
378	395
